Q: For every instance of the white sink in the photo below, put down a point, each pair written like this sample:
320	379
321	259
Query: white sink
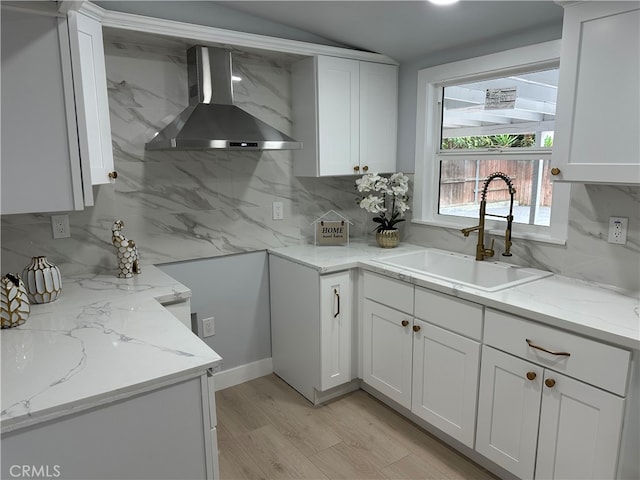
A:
463	269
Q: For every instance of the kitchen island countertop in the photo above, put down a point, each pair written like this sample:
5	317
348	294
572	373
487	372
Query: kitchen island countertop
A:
104	339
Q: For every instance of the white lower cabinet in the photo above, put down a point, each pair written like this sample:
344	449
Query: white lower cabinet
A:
579	431
535	420
335	330
311	327
445	380
430	370
387	351
508	409
538	423
537	401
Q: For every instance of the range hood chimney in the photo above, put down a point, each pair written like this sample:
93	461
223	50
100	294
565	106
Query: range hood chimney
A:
212	121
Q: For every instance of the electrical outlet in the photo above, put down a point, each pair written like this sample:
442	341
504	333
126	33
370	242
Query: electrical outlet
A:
278	211
60	226
618	230
208	328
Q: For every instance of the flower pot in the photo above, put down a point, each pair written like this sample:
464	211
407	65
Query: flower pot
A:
388	238
42	280
14	302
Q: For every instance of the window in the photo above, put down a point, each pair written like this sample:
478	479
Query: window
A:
491	114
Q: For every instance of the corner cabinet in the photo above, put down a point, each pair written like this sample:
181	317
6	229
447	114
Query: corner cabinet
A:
311	329
49	117
345	114
598	119
551	403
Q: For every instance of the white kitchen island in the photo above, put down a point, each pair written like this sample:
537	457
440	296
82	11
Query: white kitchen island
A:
107	383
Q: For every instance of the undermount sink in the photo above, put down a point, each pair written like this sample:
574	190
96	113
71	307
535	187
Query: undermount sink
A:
463	269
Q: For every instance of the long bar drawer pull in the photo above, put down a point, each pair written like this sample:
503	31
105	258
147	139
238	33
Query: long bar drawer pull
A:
335	292
538	347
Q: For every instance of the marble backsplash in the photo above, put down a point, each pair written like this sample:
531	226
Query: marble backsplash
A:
189	205
587	255
186	205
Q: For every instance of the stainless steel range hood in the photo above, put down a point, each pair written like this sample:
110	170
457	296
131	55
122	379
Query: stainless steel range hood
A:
212	121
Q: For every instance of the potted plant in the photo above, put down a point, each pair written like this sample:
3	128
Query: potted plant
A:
388	198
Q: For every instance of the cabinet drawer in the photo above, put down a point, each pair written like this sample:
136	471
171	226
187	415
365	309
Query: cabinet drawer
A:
390	292
593	362
456	315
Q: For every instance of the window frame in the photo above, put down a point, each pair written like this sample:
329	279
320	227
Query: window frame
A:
428	117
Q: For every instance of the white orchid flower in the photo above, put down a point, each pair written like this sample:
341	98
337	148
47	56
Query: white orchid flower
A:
373	204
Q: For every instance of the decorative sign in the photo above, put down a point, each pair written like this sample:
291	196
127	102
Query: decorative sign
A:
500	98
332	232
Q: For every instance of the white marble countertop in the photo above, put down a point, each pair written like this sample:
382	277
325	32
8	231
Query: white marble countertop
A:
336	258
597	311
105	338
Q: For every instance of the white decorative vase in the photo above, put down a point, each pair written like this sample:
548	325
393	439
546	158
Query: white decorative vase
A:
43	280
14	302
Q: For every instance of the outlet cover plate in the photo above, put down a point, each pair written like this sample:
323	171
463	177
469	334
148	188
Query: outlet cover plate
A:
208	328
278	211
618	230
60	226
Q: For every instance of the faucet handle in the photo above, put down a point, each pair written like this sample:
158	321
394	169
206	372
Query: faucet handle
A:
489	252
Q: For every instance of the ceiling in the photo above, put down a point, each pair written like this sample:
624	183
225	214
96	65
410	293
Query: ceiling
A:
406	30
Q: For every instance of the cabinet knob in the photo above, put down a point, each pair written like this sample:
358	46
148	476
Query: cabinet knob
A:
531	375
416	328
365	168
550	382
405	323
113	174
356	168
555	171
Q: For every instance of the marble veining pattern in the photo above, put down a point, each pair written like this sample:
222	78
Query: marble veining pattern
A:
189	205
107	336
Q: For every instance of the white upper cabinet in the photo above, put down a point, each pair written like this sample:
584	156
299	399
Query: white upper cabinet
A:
597	123
345	114
56	135
92	103
40	162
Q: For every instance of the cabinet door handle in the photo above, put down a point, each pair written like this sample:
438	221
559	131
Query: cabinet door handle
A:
531	375
365	168
555	171
550	382
356	168
416	328
538	347
335	292
405	323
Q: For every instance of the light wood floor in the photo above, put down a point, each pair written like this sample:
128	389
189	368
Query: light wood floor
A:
267	430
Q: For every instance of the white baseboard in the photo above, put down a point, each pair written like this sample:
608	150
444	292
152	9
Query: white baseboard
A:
242	373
